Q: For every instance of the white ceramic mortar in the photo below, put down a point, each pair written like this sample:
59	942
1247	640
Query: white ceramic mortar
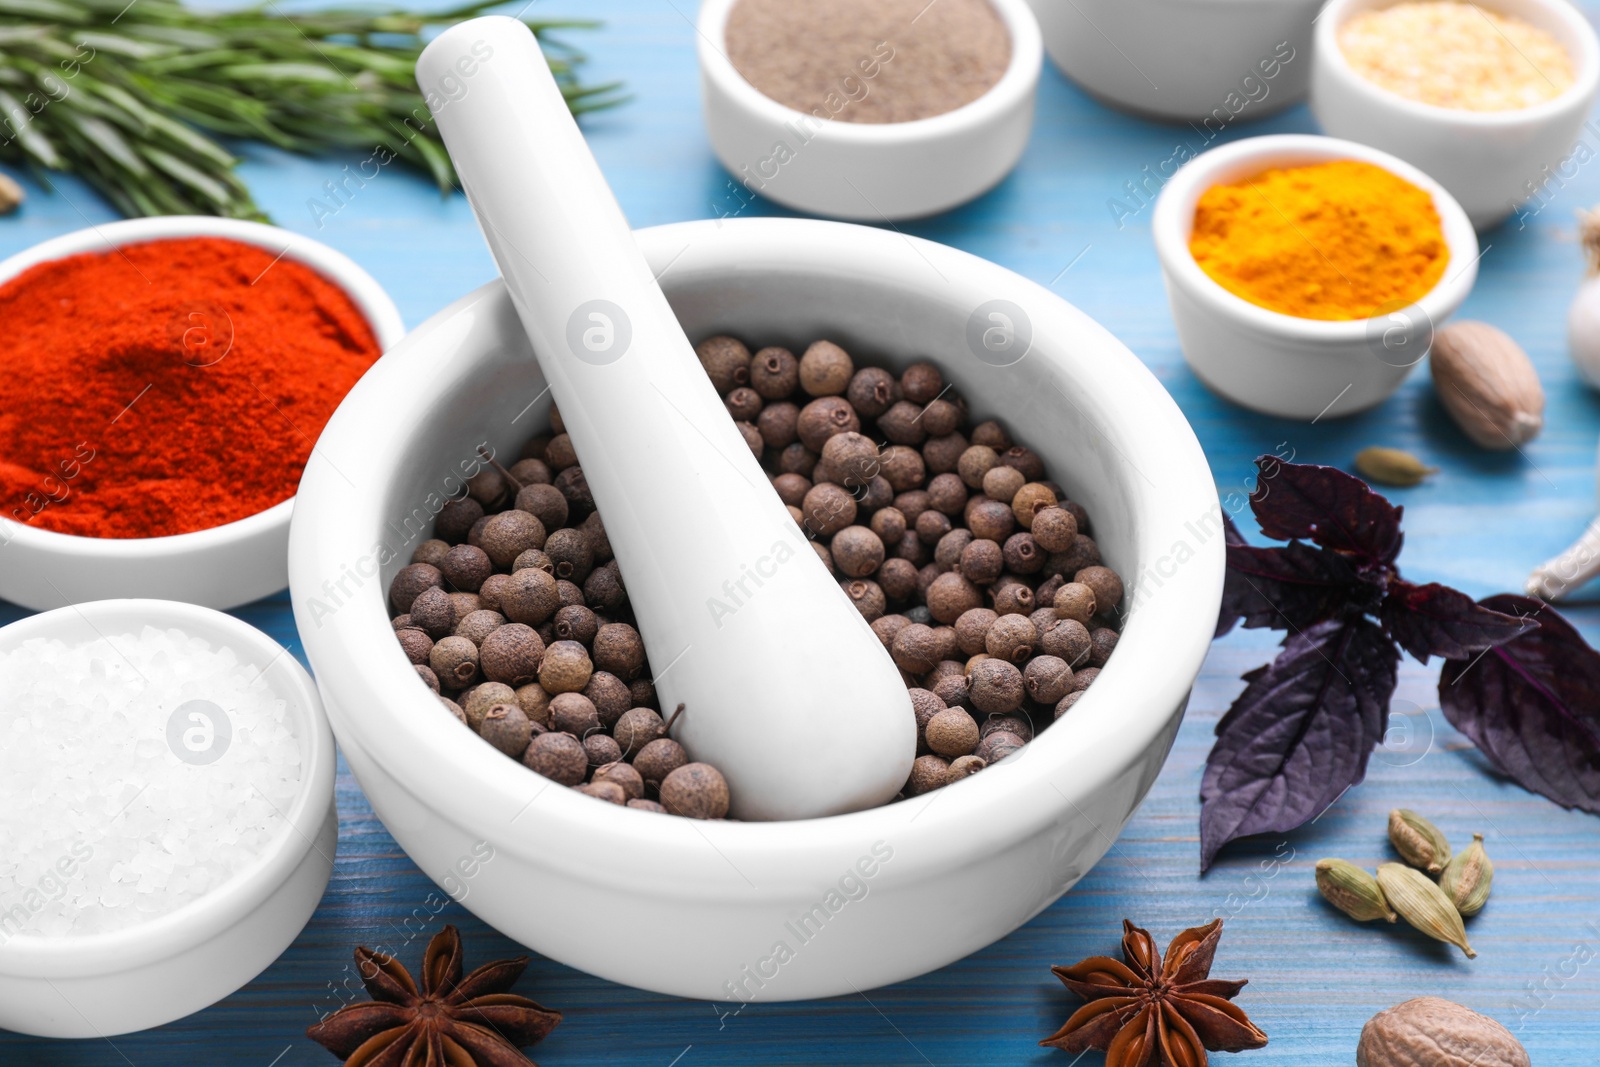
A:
698	908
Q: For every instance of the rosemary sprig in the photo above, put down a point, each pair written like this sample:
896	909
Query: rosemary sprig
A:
133	97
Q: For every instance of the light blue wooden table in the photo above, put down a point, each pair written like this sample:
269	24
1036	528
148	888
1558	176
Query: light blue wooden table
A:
1315	978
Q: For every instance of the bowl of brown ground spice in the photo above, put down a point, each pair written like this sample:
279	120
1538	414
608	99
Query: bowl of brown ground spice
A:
891	110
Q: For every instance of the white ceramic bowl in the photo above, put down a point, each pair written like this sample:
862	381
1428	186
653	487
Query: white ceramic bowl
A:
685	907
221	567
1281	364
868	171
1490	161
101	985
1211	62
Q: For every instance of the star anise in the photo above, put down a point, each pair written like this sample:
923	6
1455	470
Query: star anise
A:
1142	1012
450	1022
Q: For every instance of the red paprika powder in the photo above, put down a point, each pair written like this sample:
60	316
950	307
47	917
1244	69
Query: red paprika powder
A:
169	386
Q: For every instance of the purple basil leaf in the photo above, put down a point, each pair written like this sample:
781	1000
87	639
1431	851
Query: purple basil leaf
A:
1300	734
1287	588
1325	505
1226	618
1436	620
1532	705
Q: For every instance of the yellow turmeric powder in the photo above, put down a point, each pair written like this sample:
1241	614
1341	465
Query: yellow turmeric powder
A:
1340	240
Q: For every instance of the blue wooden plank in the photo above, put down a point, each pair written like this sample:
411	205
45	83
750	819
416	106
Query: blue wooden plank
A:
1315	977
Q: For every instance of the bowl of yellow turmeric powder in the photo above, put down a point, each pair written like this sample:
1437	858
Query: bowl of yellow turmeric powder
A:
1307	274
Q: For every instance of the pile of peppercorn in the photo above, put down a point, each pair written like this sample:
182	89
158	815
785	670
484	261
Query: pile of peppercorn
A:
977	574
515	614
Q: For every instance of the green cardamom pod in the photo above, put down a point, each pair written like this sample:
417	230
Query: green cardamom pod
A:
1467	877
1352	890
1423	904
1392	466
1419	842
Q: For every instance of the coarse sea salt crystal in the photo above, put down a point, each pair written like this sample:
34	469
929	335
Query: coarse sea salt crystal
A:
114	805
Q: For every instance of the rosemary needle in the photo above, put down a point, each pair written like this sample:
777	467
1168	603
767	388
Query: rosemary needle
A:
139	98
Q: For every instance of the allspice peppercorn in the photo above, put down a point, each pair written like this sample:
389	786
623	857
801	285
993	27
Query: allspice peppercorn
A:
565	668
822	419
637	728
456	518
921	382
915	649
575	714
774	373
825	369
545	503
455	661
1012	598
478	625
927	774
464	568
511	654
1102	642
1054	528
1069	640
507	728
902	424
432	612
1016	725
1074	600
1105	583
972	629
530	597
1001	483
991	520
857	551
963	767
943	454
618	648
570	552
982	561
1030	498
872	391
610	696
1047	679
726	361
976	462
744	404
477	701
867	596
576	623
659	758
695	790
951	595
904	470
779	424
431	551
508	534
624	775
851	458
1023	554
558	756
828	508
952	732
610	792
996	686
1011	637
601	748
997	746
415	643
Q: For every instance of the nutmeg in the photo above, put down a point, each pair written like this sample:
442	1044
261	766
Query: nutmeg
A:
1488	385
1433	1032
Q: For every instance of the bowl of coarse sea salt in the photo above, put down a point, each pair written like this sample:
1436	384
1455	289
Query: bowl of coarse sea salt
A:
167	824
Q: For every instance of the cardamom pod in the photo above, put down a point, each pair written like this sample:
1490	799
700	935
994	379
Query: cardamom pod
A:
1419	842
1352	890
1467	877
1392	466
1423	904
1488	385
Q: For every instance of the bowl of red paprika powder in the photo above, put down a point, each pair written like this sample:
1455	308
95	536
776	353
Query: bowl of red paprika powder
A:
164	384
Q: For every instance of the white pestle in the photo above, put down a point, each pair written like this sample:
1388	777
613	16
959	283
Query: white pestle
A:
786	688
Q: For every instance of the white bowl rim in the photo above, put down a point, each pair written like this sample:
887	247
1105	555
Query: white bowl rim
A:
1133	709
223	907
1583	48
364	291
1017	82
1173	220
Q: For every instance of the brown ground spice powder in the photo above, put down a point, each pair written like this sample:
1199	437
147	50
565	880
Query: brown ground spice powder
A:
869	60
